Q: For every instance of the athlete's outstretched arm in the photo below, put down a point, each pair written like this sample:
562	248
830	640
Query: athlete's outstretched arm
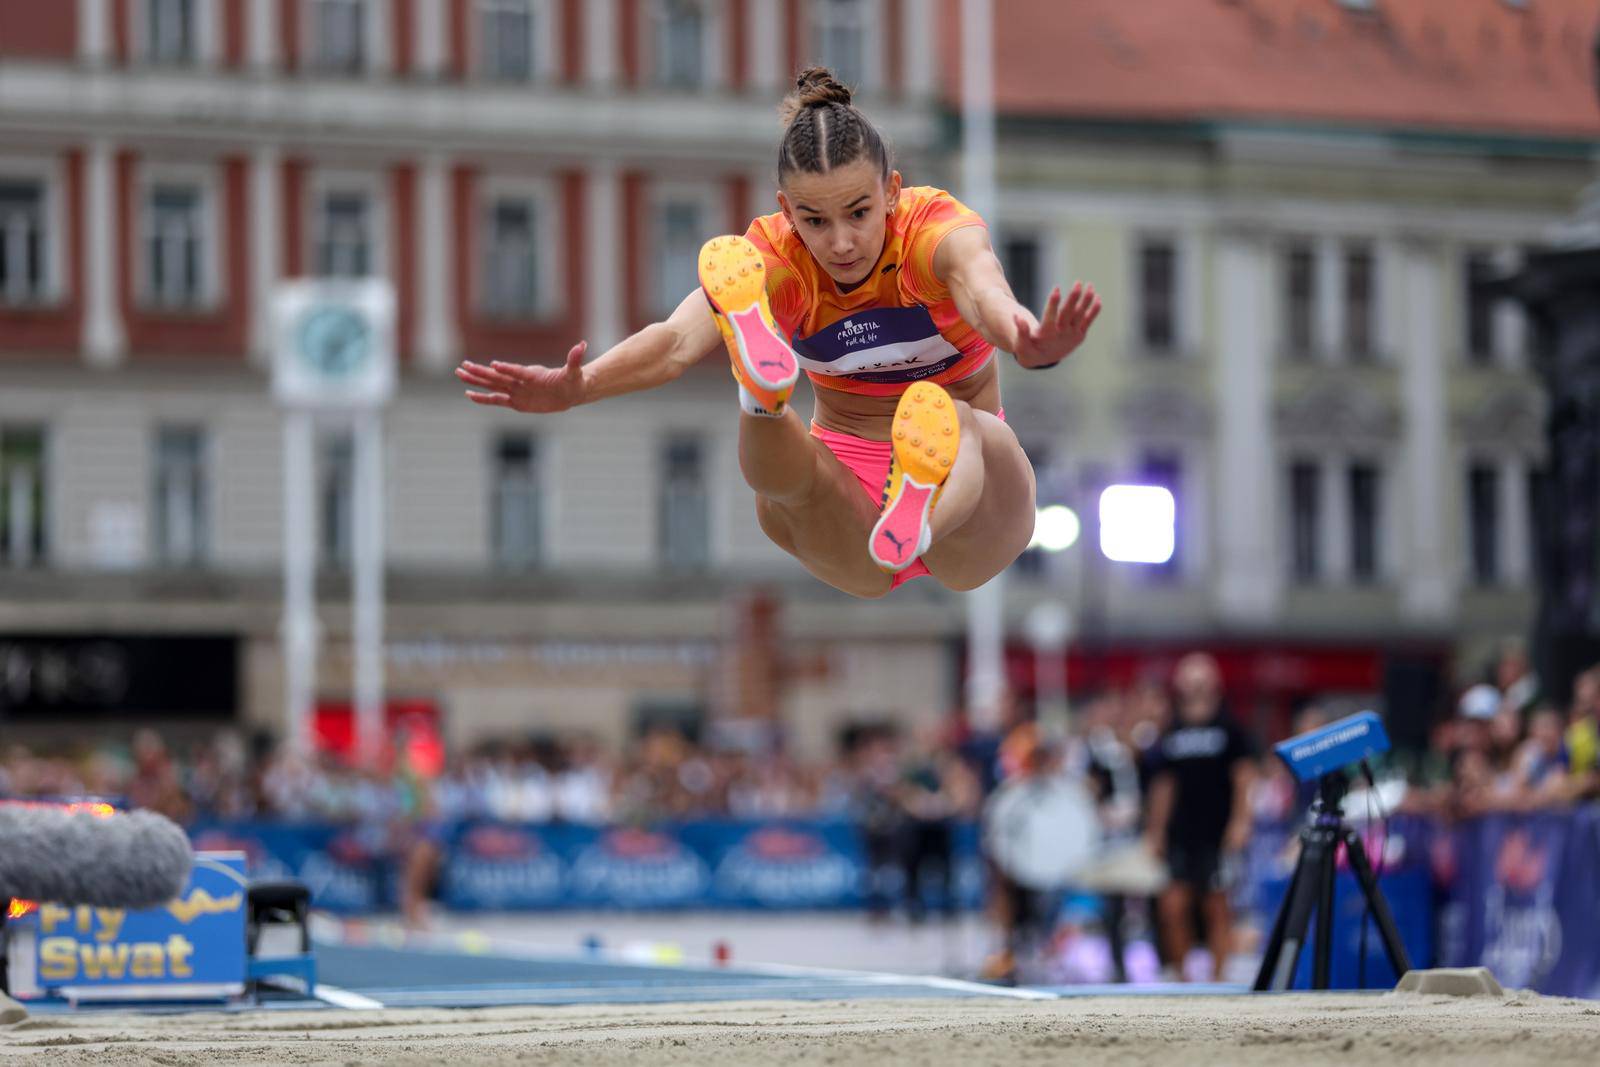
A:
966	264
654	356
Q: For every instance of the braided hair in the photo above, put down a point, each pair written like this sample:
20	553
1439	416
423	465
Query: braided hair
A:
823	130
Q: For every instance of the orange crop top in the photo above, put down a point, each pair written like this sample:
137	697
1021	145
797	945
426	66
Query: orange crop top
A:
898	326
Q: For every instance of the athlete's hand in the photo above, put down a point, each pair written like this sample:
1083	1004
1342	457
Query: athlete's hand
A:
527	388
1052	337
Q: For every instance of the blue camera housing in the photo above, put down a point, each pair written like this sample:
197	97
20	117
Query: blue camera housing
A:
1334	746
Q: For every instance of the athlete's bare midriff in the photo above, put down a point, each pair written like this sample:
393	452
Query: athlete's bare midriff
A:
870	416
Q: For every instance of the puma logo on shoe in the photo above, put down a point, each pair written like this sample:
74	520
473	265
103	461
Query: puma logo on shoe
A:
899	545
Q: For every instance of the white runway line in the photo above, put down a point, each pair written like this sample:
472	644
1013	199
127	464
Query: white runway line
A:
343	998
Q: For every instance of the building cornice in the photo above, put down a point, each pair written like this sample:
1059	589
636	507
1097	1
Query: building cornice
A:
48	102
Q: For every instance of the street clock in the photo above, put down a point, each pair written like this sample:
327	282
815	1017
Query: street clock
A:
334	343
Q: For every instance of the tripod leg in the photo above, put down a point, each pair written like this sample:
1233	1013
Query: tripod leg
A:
1392	944
1322	956
1280	923
1295	916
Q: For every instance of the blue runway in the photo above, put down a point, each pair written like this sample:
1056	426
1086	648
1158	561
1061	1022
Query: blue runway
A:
413	978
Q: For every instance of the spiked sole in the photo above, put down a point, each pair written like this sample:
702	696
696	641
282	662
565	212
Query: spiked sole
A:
925	439
734	277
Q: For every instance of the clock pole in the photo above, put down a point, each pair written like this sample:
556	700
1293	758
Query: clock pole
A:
367	587
334	360
299	626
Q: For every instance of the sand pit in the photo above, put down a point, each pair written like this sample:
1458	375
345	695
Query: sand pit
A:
1352	1030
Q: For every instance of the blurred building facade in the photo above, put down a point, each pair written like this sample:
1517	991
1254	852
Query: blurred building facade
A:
1283	205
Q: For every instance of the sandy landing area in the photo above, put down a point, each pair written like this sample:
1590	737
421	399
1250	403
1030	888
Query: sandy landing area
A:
1351	1030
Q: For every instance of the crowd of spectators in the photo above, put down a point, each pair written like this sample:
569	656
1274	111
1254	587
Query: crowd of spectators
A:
1510	749
1505	748
575	779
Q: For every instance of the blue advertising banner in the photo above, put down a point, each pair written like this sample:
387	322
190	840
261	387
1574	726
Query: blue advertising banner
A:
192	947
493	866
782	864
790	864
1523	900
1514	892
629	867
347	869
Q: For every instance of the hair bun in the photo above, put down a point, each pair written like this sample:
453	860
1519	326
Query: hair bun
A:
815	87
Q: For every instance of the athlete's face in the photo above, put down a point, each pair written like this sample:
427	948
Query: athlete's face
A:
841	216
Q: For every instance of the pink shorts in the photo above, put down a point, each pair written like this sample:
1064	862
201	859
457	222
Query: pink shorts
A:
869	462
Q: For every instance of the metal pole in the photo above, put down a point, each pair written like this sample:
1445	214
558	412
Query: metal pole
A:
299	580
986	604
367	587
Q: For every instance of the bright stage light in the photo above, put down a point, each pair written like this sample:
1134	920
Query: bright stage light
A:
1137	523
1055	528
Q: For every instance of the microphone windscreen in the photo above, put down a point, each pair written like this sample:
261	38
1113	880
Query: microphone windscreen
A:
50	854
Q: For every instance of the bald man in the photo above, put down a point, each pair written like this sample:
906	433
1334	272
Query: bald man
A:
1199	816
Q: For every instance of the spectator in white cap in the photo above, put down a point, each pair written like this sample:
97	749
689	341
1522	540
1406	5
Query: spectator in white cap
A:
1480	702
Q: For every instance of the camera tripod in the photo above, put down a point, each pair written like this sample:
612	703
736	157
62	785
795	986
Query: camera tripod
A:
1311	888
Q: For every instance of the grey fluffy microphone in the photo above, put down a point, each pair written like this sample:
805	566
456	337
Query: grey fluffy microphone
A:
137	860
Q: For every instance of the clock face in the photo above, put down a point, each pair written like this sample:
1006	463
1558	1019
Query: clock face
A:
334	341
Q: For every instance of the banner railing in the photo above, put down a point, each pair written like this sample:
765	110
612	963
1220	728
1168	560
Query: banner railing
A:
1520	893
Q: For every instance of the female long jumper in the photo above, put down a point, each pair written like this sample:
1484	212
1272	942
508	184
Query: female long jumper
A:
892	301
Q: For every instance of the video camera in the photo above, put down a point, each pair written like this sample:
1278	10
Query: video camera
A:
1318	756
1334	747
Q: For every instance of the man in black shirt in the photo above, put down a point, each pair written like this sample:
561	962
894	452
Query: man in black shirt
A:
1199	817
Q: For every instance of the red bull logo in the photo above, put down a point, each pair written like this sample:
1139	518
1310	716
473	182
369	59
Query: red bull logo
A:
639	844
500	843
350	849
1520	865
778	844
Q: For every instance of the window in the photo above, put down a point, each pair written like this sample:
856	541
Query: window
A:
1020	257
680	53
180	496
840	38
1479	325
22	496
1300	299
344	235
518	507
511	250
680	230
1158	303
23	278
684	514
336	498
1305	520
1358	302
173	249
1364	522
508	38
340	42
170	31
1483	516
1166	470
